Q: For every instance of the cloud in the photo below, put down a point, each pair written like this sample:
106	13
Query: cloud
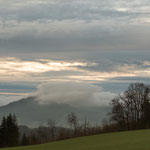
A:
73	25
30	10
6	98
48	70
76	35
31	68
112	71
72	93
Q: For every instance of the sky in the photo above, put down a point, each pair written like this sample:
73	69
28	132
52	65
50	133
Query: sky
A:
87	46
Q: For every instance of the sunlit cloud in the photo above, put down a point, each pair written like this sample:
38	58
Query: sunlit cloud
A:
101	76
46	70
18	66
13	94
122	9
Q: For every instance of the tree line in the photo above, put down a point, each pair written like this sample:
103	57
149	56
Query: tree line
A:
11	136
130	111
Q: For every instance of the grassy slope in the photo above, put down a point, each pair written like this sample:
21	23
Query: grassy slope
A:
134	140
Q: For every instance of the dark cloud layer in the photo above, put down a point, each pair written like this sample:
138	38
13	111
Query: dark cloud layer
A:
65	26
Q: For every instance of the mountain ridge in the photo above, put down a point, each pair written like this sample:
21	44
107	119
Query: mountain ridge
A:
29	112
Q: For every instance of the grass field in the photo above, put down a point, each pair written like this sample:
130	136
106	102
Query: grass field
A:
134	140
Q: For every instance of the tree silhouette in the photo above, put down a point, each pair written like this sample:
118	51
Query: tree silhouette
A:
9	132
131	110
24	140
73	121
52	129
3	133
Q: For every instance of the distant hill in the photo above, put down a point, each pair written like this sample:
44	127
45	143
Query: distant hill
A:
29	112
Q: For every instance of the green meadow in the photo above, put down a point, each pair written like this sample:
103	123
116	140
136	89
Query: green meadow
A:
132	140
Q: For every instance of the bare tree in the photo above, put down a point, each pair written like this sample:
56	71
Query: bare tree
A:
132	108
73	122
52	129
86	127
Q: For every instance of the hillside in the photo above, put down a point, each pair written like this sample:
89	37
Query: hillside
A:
29	112
133	140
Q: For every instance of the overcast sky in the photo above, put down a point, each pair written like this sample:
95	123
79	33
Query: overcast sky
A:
102	43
